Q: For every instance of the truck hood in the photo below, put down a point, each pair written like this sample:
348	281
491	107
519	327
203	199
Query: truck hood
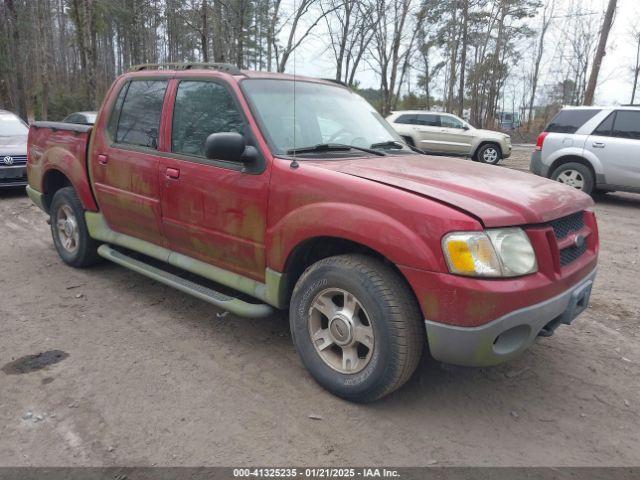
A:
496	196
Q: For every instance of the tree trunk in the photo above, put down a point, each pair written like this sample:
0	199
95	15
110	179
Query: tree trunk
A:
463	56
204	39
636	71
600	52
21	103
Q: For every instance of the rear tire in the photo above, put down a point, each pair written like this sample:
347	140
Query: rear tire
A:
489	153
356	327
575	175
69	230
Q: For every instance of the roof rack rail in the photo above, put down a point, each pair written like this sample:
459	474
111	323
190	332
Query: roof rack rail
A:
223	67
630	105
333	80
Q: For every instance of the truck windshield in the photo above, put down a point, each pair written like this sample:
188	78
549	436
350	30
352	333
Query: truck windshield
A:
298	116
12	126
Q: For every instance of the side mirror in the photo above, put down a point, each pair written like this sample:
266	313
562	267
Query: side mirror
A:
229	146
465	127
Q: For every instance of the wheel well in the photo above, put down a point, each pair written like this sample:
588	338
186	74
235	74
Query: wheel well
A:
572	159
315	249
482	144
53	181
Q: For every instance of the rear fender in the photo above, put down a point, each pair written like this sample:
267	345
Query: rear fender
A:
59	151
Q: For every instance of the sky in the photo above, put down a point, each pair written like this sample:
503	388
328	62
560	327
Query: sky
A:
615	80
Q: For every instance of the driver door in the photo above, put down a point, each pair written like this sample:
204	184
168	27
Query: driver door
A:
212	210
455	138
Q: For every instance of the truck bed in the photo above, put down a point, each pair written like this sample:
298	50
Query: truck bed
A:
57	152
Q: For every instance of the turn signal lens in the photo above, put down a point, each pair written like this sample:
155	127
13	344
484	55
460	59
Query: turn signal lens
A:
471	254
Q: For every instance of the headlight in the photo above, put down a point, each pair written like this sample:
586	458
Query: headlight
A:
501	252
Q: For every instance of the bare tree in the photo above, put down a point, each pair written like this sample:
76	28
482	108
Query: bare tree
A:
389	45
547	16
296	37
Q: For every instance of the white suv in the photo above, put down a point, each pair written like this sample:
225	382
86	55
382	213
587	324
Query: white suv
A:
591	149
444	133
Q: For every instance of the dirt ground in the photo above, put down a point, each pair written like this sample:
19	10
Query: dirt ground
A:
155	377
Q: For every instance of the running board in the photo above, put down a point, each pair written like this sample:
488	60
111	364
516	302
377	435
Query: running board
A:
231	304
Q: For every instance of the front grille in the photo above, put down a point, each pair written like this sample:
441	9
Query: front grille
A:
15	160
563	227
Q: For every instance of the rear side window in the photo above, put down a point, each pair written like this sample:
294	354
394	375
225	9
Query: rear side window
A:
569	121
139	120
202	108
627	124
407	119
428	120
605	128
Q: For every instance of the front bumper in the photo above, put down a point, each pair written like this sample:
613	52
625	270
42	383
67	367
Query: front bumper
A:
508	336
13	176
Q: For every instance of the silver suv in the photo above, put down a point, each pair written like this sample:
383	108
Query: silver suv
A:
592	149
435	132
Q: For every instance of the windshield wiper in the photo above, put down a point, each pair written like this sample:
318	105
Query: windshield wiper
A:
396	145
388	144
333	147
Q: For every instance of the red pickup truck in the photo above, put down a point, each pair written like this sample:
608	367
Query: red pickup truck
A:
259	191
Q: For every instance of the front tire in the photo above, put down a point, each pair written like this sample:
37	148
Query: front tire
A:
356	327
69	230
489	153
575	175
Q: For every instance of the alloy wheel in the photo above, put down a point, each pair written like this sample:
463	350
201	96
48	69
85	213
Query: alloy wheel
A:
572	178
341	331
67	228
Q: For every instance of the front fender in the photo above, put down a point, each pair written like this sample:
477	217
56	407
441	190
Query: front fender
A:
359	224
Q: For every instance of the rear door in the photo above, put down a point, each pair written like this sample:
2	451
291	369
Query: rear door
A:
427	130
124	162
212	210
616	143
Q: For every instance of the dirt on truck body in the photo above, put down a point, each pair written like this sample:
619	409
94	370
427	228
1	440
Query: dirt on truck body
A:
312	203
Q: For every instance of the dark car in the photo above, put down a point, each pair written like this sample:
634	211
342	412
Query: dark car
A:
13	150
81	118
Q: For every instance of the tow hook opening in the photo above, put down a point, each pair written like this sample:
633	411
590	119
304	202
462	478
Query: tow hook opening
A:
511	340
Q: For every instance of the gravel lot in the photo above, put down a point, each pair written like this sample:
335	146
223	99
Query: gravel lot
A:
153	376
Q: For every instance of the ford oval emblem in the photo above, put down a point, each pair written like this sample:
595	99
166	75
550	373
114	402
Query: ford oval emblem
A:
8	160
579	240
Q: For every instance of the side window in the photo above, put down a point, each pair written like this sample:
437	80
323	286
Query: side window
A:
450	122
406	119
202	108
606	127
627	124
139	120
570	120
112	124
429	120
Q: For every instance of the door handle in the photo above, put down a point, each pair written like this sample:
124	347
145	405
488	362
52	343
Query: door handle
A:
598	145
172	173
103	159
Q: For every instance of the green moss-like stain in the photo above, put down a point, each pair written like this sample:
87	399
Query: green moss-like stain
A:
269	293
